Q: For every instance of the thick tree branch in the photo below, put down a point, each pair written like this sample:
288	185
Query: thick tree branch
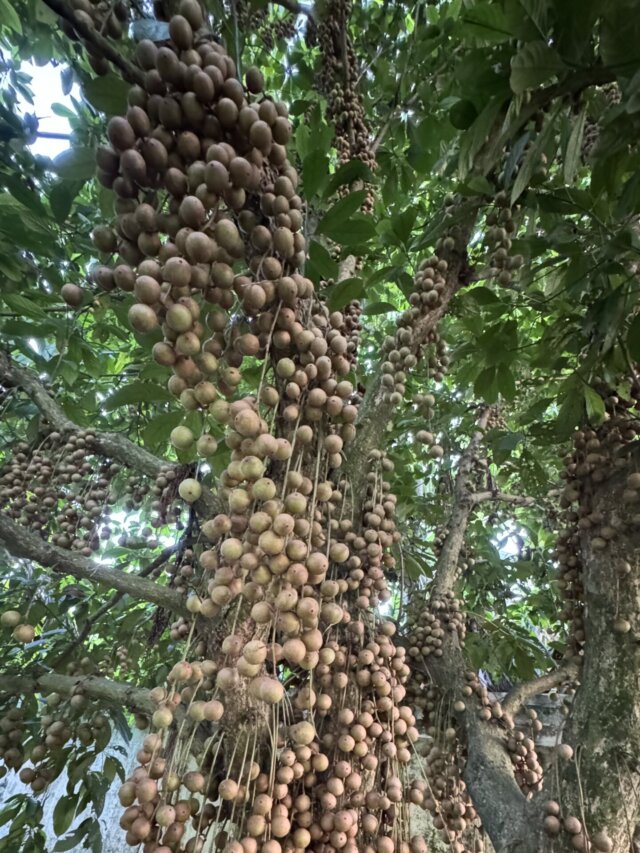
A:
21	542
514	500
103	689
520	695
101	45
462	507
110	444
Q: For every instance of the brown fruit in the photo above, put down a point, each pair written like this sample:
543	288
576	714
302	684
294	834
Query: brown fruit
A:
142	317
72	294
181	32
255	80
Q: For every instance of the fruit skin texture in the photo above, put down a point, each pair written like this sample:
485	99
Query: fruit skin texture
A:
10	618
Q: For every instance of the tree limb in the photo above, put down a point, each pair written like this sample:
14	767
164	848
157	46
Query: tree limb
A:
102	46
22	542
295	7
519	695
110	444
94	687
153	566
514	500
447	564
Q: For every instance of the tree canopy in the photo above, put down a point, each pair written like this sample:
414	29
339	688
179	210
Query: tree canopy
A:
355	293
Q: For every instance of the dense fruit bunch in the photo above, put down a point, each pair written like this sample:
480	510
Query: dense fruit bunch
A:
595	458
339	82
63	488
304	683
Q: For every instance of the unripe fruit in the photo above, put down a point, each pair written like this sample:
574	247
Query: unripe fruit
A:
182	438
10	618
24	633
190	490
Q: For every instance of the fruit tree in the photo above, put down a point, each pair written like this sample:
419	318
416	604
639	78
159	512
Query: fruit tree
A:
320	394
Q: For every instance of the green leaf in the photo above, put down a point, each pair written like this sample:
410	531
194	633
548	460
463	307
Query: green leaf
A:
474	139
463	114
572	407
315	169
633	338
487	22
573	154
9	16
538	11
320	264
107	94
506	382
402	224
76	164
137	392
355	231
341	212
344	292
63	814
156	432
595	405
62	196
534	64
532	159
74	839
485	387
373	308
23	306
348	173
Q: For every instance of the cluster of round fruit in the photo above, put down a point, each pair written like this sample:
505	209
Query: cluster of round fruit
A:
59	488
401	351
318	793
528	771
501	227
429	625
22	631
62	487
555	825
35	750
595	458
290	573
338	80
443	792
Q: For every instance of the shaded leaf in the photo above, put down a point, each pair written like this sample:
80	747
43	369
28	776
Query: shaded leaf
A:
137	392
75	164
107	94
343	292
533	64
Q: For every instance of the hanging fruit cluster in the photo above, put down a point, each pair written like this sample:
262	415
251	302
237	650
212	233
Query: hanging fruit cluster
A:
40	750
501	228
339	82
596	456
401	351
305	684
268	31
63	488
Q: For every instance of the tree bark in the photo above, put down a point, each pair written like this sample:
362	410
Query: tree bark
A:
103	689
109	444
602	784
21	542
